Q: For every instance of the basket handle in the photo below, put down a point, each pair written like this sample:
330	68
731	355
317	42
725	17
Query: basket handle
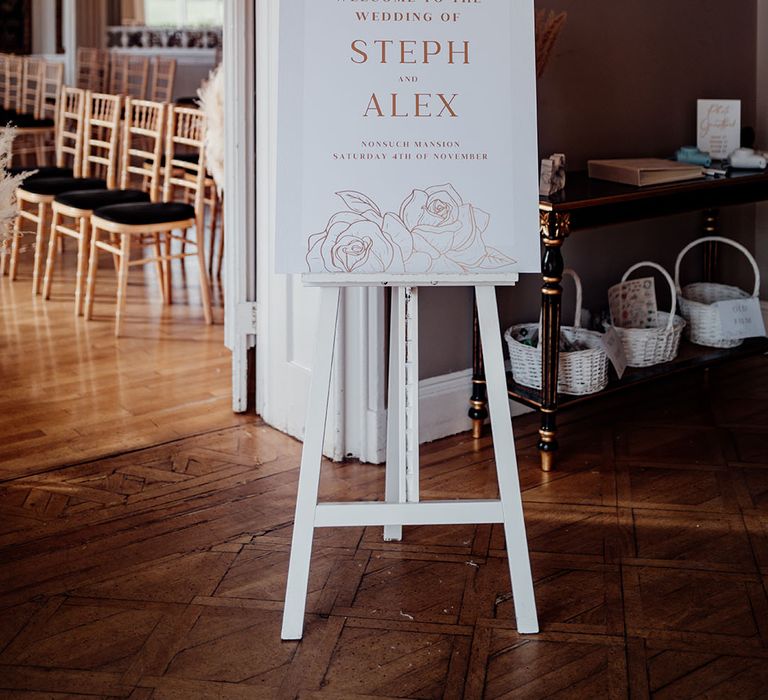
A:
568	272
717	239
659	268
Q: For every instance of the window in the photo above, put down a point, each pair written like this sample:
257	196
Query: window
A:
183	13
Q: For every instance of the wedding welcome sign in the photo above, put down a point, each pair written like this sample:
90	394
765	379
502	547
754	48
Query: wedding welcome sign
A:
407	138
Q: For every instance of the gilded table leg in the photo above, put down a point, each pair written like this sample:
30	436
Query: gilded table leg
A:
711	228
478	411
554	230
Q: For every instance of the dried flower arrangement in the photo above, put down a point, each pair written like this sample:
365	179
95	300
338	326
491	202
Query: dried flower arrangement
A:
8	185
211	95
549	24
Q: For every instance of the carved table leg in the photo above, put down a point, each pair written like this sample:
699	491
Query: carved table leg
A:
478	411
554	230
711	228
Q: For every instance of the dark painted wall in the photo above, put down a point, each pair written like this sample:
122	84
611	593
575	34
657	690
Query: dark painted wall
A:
623	81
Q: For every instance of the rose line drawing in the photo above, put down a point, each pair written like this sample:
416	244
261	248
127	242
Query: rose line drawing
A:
434	231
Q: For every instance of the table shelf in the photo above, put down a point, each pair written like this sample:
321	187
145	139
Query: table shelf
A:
691	357
587	204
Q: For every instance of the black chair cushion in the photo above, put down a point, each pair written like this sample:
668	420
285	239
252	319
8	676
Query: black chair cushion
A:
47	171
143	214
57	185
28	121
95	199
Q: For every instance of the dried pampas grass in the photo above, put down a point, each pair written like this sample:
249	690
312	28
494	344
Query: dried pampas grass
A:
8	185
549	24
211	95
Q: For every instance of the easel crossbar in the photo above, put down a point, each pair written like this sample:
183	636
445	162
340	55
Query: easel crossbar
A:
373	513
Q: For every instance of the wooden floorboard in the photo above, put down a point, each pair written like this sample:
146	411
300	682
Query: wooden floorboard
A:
71	392
144	537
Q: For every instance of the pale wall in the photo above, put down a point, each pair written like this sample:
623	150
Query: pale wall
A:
44	27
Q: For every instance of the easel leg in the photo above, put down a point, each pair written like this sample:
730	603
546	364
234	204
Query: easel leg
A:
506	462
402	484
311	457
395	469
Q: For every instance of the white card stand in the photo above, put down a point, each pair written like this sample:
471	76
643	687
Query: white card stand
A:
402	505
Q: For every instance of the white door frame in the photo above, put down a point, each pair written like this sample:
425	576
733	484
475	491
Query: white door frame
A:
240	203
356	416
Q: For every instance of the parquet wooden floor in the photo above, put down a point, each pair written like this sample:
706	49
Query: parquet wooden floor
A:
69	391
158	573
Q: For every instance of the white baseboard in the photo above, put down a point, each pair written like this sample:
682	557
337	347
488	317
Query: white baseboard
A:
444	403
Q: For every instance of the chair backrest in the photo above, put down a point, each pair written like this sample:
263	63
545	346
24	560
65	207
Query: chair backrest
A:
52	79
100	144
14	78
186	132
118	65
91	69
142	152
136	77
3	68
31	87
163	78
70	128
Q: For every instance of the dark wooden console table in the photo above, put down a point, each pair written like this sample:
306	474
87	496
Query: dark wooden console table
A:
587	204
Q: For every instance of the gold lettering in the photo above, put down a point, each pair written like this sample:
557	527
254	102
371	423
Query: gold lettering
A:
394	107
359	51
447	105
420	105
429	53
452	52
373	104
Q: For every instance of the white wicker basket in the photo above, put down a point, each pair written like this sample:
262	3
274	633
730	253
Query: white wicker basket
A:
580	372
645	347
697	300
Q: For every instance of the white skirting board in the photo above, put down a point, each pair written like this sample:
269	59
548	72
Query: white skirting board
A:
444	403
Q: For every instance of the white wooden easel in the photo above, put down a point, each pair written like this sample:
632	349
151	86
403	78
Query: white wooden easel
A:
402	505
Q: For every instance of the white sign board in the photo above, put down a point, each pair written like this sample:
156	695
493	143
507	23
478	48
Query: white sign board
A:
407	138
719	127
741	318
614	348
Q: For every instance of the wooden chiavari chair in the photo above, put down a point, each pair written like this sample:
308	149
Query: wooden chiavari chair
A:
140	162
35	133
3	72
128	75
116	73
137	77
31	86
69	134
163	79
14	77
91	69
128	223
100	115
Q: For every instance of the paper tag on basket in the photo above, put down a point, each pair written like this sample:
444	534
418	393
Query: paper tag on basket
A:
633	304
614	348
741	318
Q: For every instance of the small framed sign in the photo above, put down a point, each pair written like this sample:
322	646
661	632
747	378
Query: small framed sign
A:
719	127
407	140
